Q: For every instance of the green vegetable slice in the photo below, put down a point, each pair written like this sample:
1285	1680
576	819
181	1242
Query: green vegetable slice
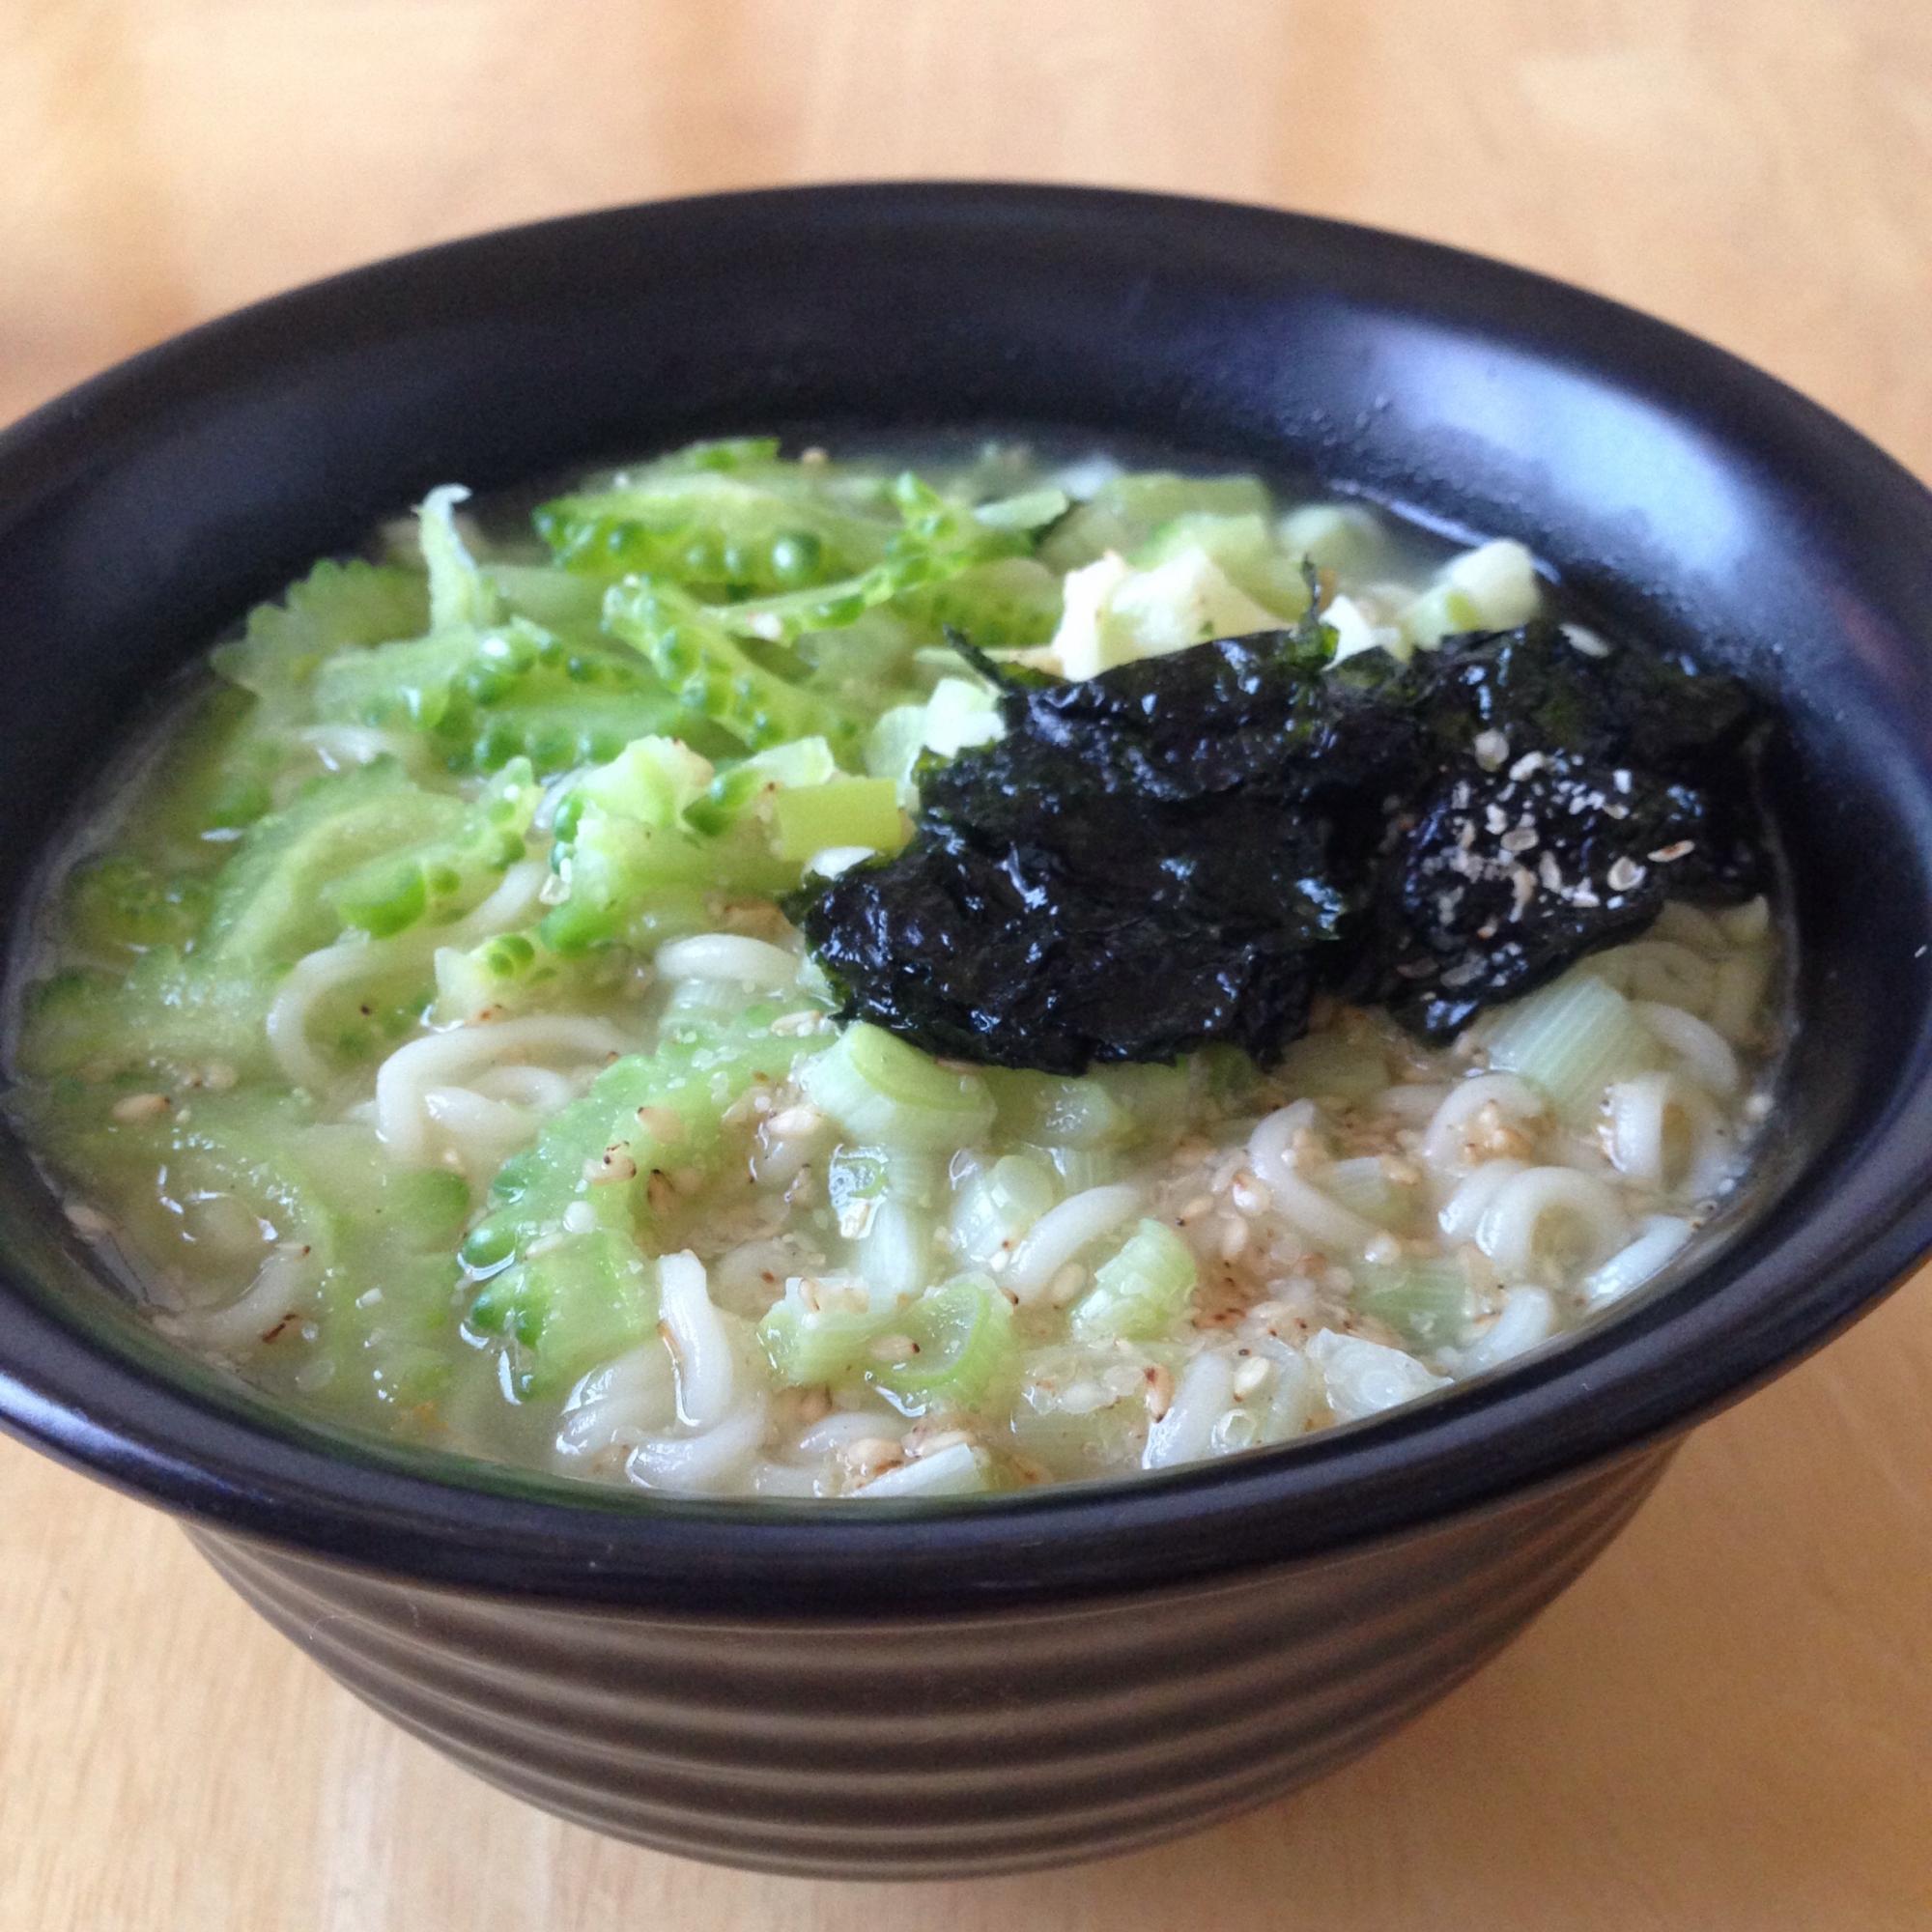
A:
808	1347
711	673
883	1092
336	607
753	526
644	1113
1141	1292
445	879
269	905
1127	510
1573	1039
964	1348
1425	1300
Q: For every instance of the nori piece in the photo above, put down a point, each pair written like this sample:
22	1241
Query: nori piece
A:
1183	849
1604	785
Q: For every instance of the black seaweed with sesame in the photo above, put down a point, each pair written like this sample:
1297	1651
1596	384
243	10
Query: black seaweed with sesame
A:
1569	796
1185	848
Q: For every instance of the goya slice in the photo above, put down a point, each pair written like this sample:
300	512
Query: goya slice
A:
579	1203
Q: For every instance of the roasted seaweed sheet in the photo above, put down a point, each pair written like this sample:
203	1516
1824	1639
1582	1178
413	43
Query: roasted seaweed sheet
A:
1186	848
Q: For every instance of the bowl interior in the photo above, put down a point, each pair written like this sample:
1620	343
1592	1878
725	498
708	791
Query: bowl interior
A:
1681	492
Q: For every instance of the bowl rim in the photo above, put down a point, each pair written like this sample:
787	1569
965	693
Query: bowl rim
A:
1609	1392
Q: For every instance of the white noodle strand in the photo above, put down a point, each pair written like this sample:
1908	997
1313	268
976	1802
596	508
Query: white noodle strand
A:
1200	1397
513	901
623	1402
1062	1232
352	957
1704	1050
1663	1236
1319	1217
730	956
699	1463
698	1341
449	1059
1528	1318
256	1310
1462	1212
1445	1139
1530	1230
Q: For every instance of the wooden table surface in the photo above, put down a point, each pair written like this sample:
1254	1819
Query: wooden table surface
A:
1728	1722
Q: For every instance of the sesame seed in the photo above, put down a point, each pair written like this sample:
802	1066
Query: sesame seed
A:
1250	1194
1160	1396
870	1456
787	1024
1251	1375
1066	1284
86	1220
614	1163
136	1107
1491	750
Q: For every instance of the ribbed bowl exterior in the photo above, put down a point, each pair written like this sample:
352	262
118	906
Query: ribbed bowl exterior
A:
942	1746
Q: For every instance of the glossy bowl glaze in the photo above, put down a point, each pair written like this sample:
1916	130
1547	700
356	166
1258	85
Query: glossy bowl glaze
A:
893	1689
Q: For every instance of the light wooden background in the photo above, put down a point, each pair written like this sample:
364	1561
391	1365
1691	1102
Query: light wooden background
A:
1728	1724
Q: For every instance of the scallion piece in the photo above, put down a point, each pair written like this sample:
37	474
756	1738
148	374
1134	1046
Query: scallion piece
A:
1140	1293
884	1091
1572	1039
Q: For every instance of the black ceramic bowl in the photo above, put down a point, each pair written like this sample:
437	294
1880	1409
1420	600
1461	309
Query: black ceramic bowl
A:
919	1689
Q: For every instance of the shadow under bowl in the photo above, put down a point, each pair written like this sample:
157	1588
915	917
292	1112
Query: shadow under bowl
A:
917	1690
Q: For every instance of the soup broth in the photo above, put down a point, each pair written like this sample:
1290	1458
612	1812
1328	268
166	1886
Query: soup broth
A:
541	999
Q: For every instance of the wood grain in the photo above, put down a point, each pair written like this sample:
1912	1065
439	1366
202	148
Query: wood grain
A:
1729	1722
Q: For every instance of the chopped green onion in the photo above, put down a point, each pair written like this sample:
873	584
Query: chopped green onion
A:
996	1205
1426	1302
963	1347
882	1091
821	1340
1572	1039
1140	1293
